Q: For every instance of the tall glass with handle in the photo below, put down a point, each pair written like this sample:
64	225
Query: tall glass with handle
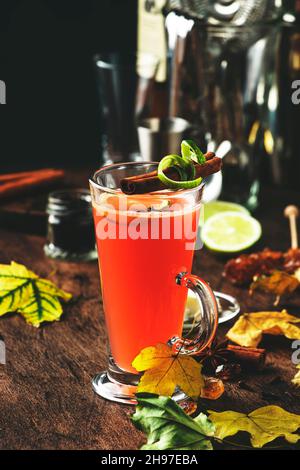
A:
145	247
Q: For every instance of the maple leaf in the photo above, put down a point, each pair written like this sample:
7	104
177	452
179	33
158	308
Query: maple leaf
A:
278	282
23	291
249	328
165	369
264	424
168	427
296	379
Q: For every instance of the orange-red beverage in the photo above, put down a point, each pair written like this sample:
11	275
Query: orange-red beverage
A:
143	244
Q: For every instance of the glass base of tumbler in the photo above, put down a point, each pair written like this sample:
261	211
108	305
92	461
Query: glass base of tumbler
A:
118	392
104	386
116	384
121	386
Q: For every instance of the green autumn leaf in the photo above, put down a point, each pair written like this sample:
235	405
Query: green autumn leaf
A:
23	291
15	283
168	427
264	424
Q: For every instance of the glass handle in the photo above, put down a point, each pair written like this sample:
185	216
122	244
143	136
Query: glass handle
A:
208	322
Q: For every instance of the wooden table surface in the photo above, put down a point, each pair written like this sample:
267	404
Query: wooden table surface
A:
47	400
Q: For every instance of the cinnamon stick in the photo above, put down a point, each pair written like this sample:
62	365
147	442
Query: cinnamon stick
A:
14	185
251	356
169	172
149	182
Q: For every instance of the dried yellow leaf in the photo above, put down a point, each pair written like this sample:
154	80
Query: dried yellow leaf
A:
249	328
165	369
278	282
264	424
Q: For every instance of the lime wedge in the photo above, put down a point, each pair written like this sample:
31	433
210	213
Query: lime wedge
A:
192	307
214	207
230	232
192	312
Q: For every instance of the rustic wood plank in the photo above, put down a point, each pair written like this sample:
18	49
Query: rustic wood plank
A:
46	397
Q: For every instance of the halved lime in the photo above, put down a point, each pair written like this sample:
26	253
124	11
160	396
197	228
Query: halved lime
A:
214	207
230	232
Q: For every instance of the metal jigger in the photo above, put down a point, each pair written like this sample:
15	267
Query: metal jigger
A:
159	137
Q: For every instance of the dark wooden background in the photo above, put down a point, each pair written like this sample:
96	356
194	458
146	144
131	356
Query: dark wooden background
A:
46	397
52	116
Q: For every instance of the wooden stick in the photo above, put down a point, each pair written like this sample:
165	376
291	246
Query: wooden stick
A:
292	212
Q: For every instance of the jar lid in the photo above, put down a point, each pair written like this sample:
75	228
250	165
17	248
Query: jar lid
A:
69	202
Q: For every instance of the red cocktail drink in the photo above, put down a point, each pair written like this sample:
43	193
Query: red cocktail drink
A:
138	264
145	246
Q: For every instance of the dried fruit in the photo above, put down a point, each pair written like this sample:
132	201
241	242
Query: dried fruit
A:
242	269
213	388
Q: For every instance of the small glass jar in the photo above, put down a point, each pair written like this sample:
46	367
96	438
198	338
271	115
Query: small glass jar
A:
70	226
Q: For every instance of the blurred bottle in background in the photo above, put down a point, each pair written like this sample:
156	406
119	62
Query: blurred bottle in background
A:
228	46
278	137
125	82
230	69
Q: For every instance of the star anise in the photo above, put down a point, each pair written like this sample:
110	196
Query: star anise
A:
215	355
228	371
